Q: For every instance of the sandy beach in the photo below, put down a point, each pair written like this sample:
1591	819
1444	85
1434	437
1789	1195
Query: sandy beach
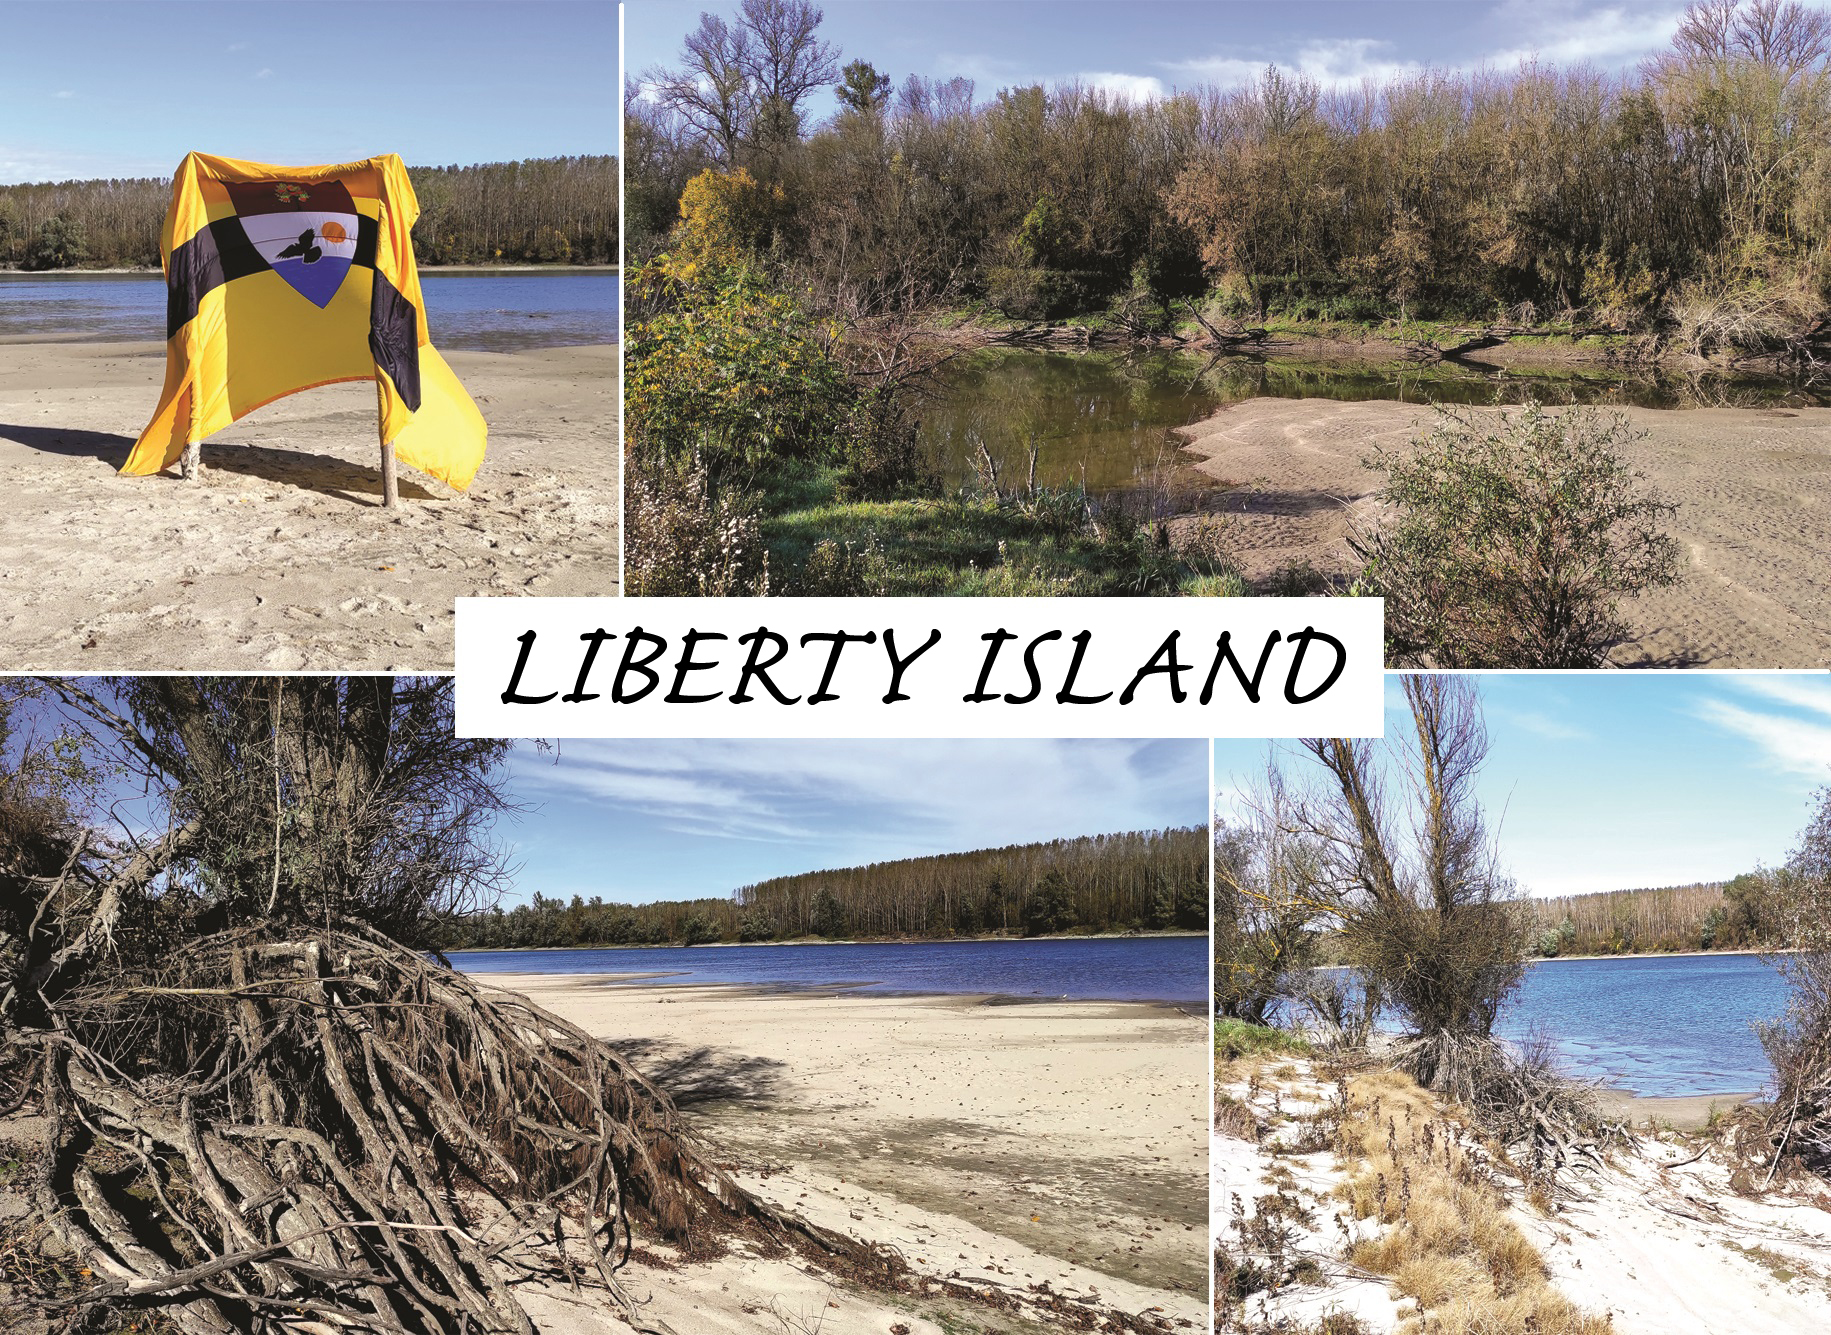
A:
1656	1238
1043	1152
281	558
1753	490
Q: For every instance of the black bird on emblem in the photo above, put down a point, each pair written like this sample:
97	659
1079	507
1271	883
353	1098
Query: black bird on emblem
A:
306	248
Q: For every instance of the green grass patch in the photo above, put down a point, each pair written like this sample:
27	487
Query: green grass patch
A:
1237	1038
960	546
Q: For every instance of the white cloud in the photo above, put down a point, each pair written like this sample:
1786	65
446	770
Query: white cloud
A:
1786	742
64	93
1573	33
1131	87
1617	35
263	73
1332	62
893	799
1812	694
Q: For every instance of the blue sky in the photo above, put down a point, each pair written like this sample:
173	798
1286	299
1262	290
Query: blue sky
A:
1149	48
1611	780
635	821
89	88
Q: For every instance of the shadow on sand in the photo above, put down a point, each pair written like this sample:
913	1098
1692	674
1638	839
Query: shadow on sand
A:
322	473
695	1077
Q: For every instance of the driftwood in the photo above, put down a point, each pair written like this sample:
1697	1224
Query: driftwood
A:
325	1131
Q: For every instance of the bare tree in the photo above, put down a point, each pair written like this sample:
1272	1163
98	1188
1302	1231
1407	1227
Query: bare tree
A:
1410	870
786	61
1267	915
711	90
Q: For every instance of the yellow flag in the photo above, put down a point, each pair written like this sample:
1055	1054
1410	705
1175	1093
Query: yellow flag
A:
280	279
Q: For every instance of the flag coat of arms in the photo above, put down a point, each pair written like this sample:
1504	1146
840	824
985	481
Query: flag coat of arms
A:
280	279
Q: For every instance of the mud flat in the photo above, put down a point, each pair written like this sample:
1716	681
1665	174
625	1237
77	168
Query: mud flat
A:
281	557
1752	487
1054	1149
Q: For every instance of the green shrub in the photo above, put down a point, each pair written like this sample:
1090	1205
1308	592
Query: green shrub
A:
722	365
1237	1038
1510	547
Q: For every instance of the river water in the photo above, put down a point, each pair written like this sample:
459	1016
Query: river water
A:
1656	1025
483	312
1106	417
1144	968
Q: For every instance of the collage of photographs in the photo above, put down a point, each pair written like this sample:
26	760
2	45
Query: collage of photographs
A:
320	1015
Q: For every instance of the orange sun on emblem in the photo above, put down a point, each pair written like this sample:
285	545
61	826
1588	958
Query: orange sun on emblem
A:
331	232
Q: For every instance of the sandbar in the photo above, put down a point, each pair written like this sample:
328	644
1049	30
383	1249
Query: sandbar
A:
1753	525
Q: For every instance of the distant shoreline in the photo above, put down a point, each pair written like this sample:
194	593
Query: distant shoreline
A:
424	269
849	941
1654	955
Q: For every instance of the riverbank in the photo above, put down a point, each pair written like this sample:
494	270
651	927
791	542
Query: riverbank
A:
1753	490
1052	1150
837	941
154	271
1655	1241
281	558
1547	347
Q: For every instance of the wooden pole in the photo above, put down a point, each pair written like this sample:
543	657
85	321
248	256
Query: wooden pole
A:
190	467
390	495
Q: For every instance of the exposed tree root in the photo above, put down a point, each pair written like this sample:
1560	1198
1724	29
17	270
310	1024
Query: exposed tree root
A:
1547	1121
325	1132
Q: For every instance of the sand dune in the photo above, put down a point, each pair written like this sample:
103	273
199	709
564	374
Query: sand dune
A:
1062	1145
1752	486
280	557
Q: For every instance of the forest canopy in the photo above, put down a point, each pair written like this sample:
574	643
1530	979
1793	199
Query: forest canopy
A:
535	211
1142	880
1692	193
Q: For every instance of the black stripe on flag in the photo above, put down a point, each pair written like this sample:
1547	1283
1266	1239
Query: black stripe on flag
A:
221	253
394	338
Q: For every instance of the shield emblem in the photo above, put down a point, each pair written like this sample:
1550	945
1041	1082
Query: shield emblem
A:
305	232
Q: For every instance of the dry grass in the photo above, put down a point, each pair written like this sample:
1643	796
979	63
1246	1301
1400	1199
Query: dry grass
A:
1448	1243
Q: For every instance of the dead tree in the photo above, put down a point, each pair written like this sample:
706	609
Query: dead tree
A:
269	1109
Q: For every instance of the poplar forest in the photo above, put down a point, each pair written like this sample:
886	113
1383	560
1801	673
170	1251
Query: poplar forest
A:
535	211
1148	880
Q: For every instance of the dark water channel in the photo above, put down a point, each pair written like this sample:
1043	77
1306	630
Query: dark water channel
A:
1106	417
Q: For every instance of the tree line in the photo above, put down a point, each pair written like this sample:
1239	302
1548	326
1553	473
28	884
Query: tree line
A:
534	211
1740	914
1693	193
1146	880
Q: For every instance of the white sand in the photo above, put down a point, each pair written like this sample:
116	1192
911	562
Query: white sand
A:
1662	1252
281	558
1008	1146
1752	486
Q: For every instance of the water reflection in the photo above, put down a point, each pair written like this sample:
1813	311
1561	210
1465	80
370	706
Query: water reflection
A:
1104	418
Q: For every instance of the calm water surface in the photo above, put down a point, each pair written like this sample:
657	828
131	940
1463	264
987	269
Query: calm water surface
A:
1655	1026
1107	415
482	312
1155	968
